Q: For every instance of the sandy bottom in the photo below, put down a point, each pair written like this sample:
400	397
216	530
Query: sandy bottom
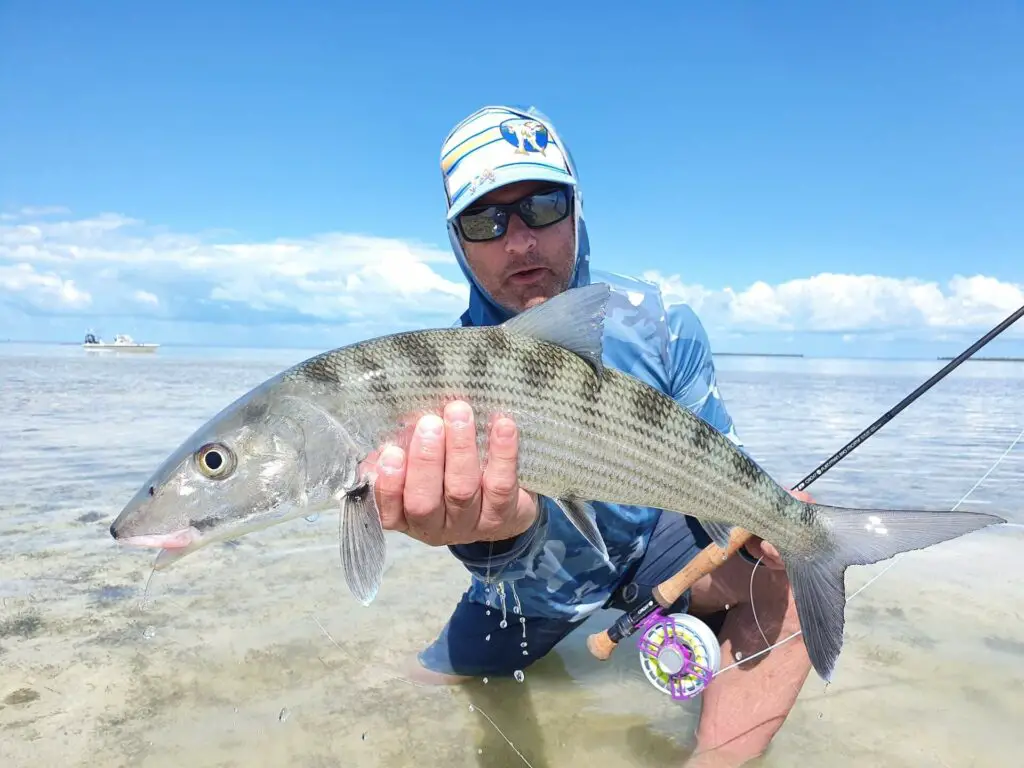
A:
230	664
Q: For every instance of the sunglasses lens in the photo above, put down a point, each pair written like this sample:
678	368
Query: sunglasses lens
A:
483	224
546	208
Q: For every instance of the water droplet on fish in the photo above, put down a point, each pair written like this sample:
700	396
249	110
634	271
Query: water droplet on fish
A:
519	675
522	619
515	609
488	638
488	611
485	681
149	633
472	708
503	624
727	606
526	653
821	715
312	518
739	655
284	714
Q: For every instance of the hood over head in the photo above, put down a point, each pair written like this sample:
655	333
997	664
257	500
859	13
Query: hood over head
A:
493	147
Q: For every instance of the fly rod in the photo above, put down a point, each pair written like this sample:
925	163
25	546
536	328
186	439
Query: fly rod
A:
602	644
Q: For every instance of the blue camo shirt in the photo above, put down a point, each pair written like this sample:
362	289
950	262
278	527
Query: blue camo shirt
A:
555	572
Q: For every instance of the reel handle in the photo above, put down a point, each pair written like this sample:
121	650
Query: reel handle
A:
602	644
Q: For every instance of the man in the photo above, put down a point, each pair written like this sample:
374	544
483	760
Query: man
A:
515	220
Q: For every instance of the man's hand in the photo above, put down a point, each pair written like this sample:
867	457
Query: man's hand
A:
438	493
769	555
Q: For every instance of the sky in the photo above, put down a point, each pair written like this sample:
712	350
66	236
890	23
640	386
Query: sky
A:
841	179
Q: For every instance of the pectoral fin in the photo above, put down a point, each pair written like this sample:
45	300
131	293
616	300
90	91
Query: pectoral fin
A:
361	540
582	516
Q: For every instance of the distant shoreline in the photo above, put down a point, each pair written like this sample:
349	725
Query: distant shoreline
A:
762	355
990	359
758	354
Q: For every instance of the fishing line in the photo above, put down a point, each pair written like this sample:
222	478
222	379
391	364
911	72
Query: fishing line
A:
145	592
877	576
432	689
752	608
475	708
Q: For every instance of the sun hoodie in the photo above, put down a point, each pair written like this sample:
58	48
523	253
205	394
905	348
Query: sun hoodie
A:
554	571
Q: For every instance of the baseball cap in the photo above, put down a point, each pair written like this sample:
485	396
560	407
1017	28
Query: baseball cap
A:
496	146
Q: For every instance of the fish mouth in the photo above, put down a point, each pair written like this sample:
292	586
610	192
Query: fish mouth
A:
182	539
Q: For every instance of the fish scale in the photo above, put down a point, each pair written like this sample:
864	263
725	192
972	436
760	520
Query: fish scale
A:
588	433
571	420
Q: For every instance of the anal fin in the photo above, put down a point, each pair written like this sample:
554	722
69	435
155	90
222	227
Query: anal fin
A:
362	544
719	532
581	515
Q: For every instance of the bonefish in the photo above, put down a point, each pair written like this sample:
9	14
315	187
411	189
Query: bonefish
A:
295	444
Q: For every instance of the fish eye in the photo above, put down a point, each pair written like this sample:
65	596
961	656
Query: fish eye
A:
215	460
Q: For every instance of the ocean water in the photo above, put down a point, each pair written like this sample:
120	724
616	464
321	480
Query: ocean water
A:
253	653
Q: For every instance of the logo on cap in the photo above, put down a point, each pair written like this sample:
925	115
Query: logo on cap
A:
525	135
486	176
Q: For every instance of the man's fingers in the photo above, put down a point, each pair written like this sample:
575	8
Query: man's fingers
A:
770	557
500	478
770	550
424	480
461	468
389	488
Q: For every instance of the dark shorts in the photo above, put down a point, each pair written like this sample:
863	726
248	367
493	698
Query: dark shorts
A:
463	647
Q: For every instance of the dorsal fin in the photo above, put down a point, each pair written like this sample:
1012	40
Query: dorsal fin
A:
573	319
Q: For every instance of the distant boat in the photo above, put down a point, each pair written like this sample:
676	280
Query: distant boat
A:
121	343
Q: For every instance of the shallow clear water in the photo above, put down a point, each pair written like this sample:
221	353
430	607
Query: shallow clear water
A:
254	653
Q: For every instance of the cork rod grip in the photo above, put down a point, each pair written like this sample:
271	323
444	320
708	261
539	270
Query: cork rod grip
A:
708	560
601	645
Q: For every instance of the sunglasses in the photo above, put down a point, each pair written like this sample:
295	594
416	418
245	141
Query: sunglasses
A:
539	210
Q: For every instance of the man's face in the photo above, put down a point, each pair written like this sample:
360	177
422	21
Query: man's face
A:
523	267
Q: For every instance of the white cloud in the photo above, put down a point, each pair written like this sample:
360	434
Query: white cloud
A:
116	274
28	211
112	265
42	290
145	297
844	303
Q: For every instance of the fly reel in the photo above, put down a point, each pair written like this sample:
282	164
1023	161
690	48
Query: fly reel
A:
679	654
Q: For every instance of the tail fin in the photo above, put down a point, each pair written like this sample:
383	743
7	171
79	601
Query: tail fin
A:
860	537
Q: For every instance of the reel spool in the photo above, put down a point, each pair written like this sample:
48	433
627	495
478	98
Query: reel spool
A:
679	654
